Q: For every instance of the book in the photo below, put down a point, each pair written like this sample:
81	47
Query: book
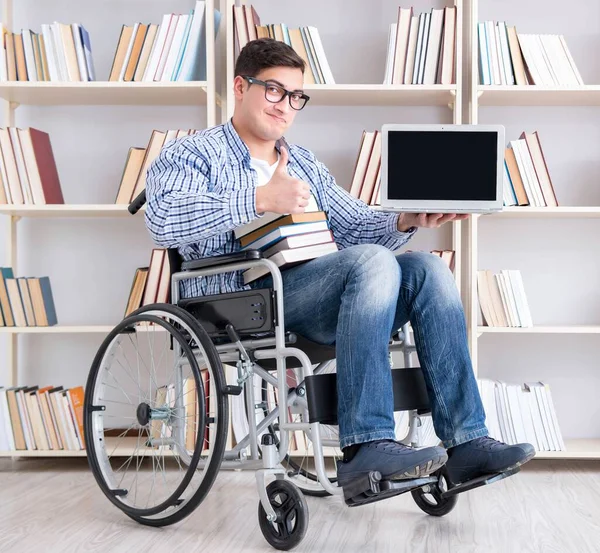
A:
502	299
289	258
268	240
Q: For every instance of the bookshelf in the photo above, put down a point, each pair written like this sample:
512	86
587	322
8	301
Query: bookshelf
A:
504	101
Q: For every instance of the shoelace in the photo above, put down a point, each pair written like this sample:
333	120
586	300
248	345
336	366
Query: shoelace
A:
488	443
390	445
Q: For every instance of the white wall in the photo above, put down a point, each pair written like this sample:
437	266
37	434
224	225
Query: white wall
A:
91	262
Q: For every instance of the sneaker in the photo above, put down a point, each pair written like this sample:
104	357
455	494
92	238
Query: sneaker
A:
485	456
395	461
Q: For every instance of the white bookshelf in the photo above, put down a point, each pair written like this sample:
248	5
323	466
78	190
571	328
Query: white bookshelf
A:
68	210
483	96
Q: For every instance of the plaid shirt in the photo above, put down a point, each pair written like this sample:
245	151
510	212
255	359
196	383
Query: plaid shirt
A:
202	186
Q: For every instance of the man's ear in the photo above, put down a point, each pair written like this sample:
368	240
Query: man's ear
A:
238	86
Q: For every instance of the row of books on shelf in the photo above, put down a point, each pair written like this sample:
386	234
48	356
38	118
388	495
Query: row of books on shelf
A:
305	41
507	57
421	47
28	173
526	176
48	418
502	299
174	50
60	52
25	301
517	413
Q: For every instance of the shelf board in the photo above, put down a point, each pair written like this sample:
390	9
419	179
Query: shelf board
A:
561	211
104	93
571	329
576	449
536	95
57	329
379	95
67	210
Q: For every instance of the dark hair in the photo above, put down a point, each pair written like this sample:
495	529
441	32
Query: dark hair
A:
264	53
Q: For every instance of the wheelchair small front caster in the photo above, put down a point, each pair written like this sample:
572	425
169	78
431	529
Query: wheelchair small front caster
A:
431	498
288	529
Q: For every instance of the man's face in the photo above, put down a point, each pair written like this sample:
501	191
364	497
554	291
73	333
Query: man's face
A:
265	119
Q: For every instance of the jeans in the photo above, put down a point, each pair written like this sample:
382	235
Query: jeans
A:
357	298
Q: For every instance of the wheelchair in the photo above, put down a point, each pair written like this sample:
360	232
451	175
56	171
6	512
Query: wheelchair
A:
157	408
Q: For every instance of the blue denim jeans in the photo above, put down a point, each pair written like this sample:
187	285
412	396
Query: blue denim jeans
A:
357	298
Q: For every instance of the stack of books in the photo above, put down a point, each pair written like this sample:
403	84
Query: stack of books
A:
502	299
366	179
508	58
61	52
175	50
421	48
306	42
34	418
151	284
133	179
28	173
25	301
526	177
518	413
287	240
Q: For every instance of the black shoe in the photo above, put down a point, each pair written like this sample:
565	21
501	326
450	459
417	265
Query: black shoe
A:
485	456
395	461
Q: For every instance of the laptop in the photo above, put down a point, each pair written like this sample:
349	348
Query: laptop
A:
442	168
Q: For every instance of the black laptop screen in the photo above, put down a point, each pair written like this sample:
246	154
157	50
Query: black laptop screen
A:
442	165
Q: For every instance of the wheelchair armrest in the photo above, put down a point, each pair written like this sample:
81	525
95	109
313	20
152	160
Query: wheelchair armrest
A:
218	260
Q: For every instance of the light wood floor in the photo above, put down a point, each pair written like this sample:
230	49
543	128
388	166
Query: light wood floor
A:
550	506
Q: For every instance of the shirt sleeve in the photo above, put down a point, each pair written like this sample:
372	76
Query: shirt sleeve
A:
354	222
181	209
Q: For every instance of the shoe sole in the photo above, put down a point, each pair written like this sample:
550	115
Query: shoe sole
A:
410	473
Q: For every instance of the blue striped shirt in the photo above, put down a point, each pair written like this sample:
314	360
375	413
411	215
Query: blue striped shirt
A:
202	186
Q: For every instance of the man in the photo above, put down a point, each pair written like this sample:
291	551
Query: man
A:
203	186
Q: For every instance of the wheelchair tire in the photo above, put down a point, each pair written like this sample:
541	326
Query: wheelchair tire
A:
291	509
432	502
195	484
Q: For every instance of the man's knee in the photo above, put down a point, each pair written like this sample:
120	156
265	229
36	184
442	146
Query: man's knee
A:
373	260
424	267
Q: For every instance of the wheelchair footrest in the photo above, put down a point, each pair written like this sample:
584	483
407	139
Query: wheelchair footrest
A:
480	481
370	488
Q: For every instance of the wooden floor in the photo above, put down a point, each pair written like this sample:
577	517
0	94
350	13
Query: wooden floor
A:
550	506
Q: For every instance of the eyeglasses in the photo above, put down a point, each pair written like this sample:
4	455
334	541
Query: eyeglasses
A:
275	93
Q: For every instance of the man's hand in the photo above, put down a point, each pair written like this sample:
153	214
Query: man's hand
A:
283	193
427	220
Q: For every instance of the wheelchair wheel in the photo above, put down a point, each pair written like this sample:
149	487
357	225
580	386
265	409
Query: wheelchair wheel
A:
432	502
155	415
288	530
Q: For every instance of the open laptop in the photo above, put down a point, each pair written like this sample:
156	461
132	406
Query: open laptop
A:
442	168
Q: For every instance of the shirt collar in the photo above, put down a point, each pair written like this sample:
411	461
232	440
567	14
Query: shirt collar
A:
239	148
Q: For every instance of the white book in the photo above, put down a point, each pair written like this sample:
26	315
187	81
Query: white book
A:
157	48
554	418
400	44
424	51
492	421
505	303
513	391
290	257
570	58
511	296
501	69
490	34
448	52
8	439
485	76
506	59
176	45
166	48
23	177
389	59
527	171
29	57
517	279
411	49
525	41
536	417
321	57
509	421
79	50
551	74
545	415
500	412
61	56
196	45
51	55
528	427
25	422
433	46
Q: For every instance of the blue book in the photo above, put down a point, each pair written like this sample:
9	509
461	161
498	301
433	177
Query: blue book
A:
87	48
184	42
48	300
